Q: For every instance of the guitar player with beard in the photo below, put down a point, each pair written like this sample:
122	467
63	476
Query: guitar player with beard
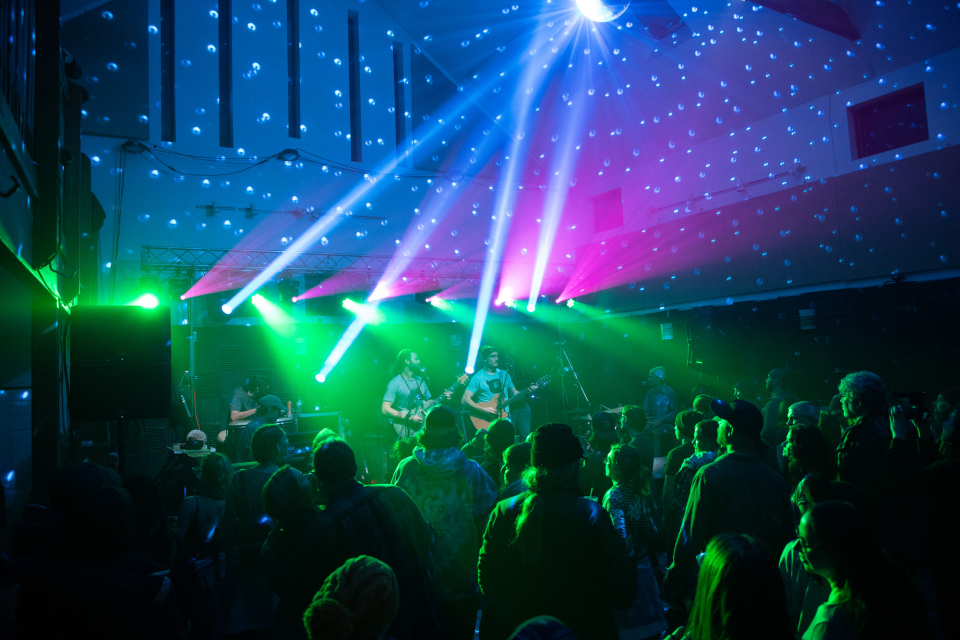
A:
407	392
487	384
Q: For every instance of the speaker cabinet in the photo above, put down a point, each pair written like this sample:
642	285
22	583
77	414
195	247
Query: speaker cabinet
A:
119	363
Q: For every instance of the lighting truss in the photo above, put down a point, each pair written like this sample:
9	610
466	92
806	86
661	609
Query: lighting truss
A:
168	263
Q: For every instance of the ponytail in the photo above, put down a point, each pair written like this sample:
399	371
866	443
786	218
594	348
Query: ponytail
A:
528	534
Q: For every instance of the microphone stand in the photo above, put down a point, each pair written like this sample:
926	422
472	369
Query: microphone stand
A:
561	356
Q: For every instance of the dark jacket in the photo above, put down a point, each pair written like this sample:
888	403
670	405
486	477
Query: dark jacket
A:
860	456
737	493
582	573
380	521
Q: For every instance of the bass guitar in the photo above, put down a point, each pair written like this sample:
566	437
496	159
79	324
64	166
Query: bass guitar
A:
482	421
408	427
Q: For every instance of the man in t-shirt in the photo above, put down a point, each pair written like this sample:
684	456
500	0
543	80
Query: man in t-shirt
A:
269	411
244	402
661	405
406	392
487	383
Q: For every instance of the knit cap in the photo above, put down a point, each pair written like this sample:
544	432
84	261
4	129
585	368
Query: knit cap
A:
358	601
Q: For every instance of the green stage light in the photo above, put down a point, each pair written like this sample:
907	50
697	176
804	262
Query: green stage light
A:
275	317
443	305
147	301
366	312
570	303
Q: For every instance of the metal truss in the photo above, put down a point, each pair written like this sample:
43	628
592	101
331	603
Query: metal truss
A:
168	263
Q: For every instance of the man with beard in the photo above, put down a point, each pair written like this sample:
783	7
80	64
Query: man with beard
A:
805	451
405	393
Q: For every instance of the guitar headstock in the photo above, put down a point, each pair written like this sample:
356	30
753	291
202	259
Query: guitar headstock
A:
463	378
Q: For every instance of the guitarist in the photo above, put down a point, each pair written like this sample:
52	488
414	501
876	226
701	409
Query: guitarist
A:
405	392
488	382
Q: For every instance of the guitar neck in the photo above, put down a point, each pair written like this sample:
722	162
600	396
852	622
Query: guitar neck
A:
523	395
432	401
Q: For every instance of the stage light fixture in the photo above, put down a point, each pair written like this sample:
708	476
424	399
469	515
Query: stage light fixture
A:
368	313
146	300
288	155
287	291
571	303
443	305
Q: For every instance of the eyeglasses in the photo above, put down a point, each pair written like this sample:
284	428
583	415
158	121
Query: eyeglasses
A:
805	546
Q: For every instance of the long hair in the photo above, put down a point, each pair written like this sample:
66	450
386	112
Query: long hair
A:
528	531
285	500
740	593
876	594
626	467
215	474
402	358
811	454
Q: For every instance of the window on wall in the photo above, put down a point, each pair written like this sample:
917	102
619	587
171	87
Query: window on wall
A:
888	122
607	210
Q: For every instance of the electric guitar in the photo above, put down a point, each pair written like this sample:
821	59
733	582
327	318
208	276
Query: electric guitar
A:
482	420
406	428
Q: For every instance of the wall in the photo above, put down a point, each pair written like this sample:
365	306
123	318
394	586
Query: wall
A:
15	397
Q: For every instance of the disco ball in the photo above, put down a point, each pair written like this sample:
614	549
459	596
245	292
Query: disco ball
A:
602	10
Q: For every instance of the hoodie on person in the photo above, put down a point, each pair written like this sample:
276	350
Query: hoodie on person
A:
451	492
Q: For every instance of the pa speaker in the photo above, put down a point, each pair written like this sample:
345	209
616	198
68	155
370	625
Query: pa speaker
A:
119	363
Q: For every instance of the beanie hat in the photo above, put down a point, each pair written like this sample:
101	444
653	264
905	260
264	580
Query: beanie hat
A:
485	351
686	423
358	601
543	628
554	446
334	461
440	421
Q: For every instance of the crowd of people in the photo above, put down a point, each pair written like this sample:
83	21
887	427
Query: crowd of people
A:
762	517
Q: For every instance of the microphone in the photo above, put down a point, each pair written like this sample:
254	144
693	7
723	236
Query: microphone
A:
423	372
185	407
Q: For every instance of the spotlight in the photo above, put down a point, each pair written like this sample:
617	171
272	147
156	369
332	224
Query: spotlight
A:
570	303
287	291
423	297
531	308
443	305
368	313
321	378
601	10
147	301
227	309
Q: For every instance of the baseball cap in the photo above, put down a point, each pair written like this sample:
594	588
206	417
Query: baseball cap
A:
745	417
605	426
271	401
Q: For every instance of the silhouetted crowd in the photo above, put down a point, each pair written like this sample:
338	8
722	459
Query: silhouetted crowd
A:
762	517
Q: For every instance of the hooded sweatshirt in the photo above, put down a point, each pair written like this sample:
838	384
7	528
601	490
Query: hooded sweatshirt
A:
451	491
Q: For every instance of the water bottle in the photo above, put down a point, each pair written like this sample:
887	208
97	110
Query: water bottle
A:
299	407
